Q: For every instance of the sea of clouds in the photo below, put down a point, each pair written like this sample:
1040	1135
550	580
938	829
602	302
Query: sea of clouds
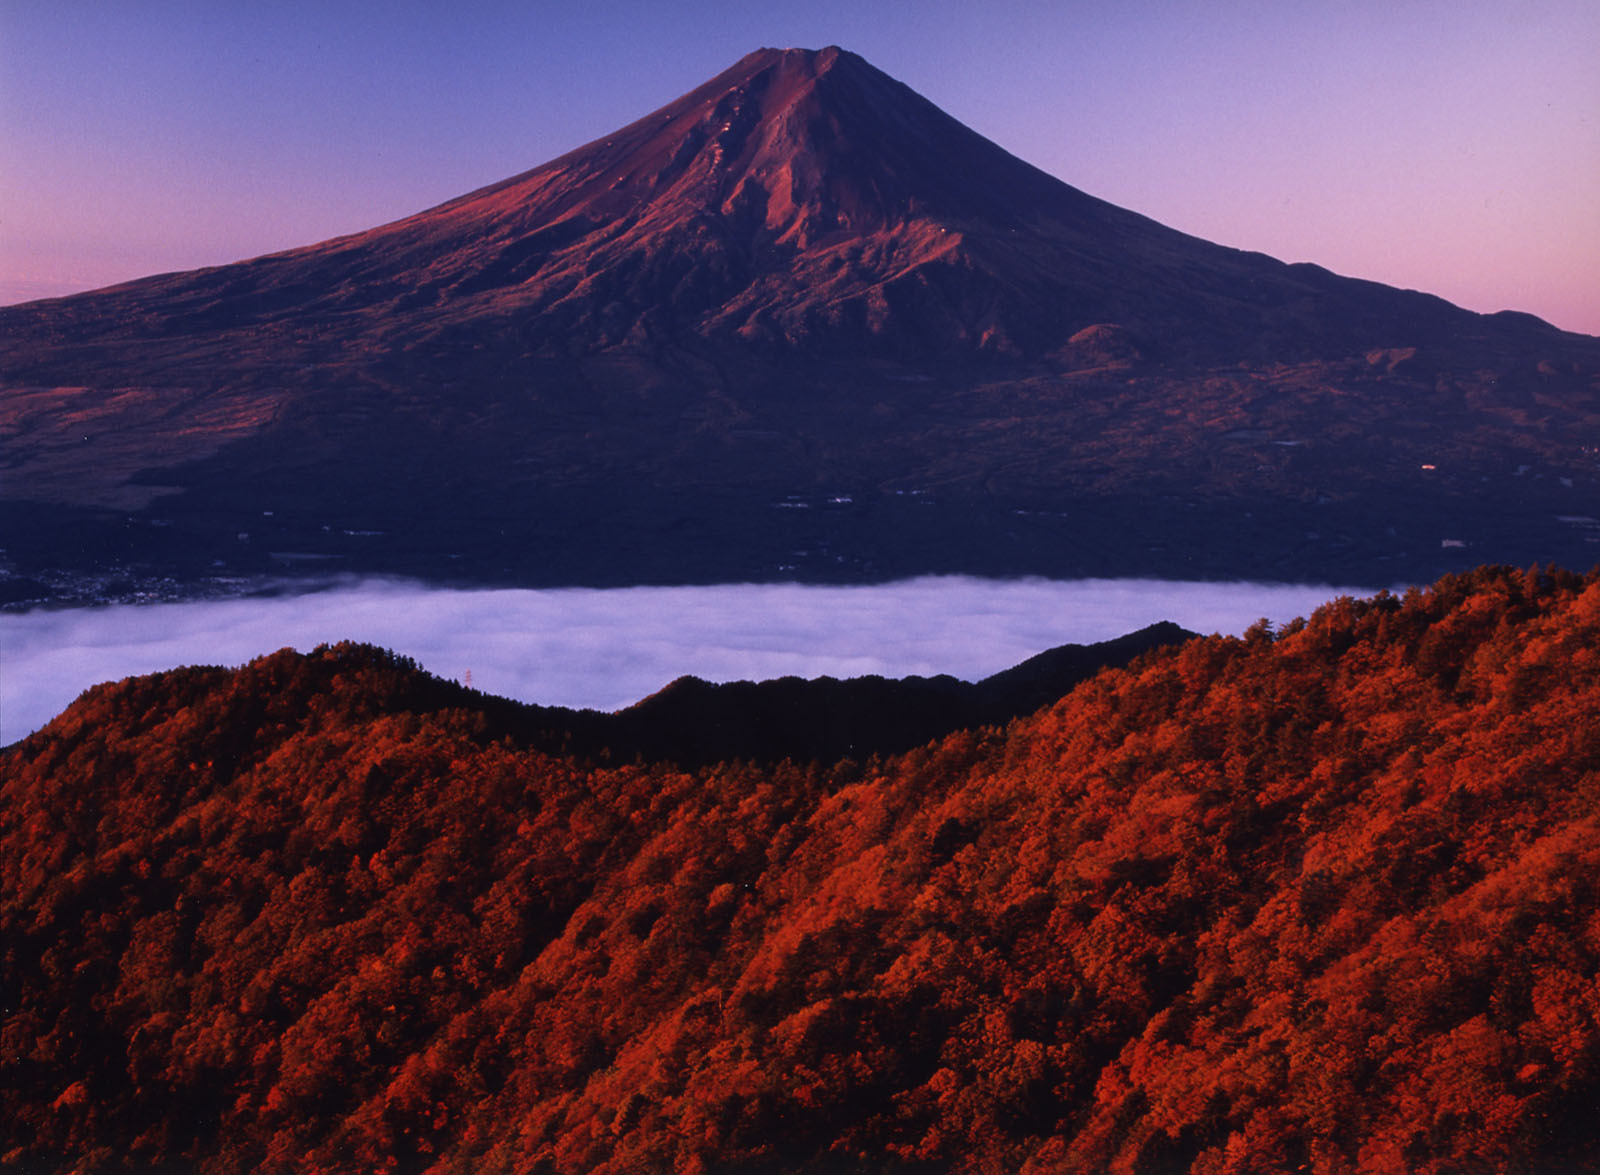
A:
607	648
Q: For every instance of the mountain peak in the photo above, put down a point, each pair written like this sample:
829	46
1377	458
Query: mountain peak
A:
796	61
817	60
800	198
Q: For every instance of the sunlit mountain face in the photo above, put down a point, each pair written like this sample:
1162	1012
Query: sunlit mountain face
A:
799	323
1314	899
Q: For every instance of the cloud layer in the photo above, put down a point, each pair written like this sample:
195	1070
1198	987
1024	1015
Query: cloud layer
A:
606	648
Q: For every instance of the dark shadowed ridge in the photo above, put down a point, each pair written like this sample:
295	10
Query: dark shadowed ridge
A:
695	722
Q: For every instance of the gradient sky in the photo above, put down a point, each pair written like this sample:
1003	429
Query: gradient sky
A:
1445	145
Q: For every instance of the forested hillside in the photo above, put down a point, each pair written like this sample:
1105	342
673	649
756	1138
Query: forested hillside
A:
1323	899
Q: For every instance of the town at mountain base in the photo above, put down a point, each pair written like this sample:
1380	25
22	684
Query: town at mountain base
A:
1319	899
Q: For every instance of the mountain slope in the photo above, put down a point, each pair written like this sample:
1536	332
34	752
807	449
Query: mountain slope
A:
799	279
1321	901
796	197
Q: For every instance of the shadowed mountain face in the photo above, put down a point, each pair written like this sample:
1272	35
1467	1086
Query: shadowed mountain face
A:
800	283
696	723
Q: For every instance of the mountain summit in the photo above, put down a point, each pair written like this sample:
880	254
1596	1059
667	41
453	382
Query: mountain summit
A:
800	283
800	199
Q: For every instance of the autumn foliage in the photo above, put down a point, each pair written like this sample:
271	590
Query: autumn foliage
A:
1323	899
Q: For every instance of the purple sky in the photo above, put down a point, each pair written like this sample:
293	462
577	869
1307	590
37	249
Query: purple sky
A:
1445	145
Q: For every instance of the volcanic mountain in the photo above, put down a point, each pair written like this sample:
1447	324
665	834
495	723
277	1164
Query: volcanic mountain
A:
799	322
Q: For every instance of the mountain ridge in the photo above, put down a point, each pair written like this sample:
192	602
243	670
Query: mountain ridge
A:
694	723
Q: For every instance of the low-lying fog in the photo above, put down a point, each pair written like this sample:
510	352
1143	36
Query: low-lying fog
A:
607	648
